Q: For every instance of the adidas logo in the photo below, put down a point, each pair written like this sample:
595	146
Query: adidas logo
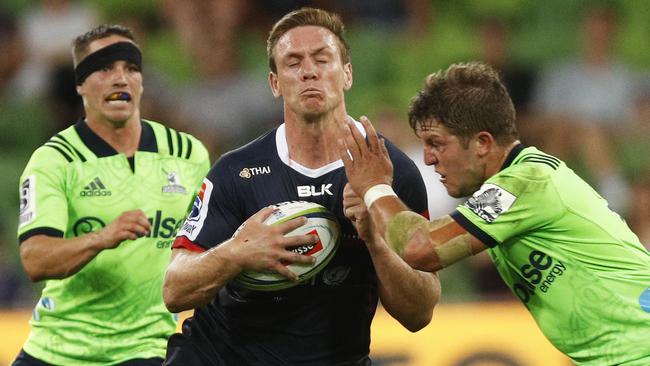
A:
95	188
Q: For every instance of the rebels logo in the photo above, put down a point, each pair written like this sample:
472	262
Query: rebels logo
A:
196	218
540	272
198	204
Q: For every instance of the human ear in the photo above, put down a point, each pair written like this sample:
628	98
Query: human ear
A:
484	142
347	69
273	83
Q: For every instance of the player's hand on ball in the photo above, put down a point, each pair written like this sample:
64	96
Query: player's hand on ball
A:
130	225
261	247
366	163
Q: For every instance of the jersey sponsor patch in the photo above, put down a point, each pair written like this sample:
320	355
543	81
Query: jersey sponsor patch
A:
196	218
490	201
247	173
27	201
538	273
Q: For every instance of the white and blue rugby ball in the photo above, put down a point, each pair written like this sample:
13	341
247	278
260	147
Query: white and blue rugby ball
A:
320	222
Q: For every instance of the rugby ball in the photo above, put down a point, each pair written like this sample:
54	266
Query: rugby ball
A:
320	222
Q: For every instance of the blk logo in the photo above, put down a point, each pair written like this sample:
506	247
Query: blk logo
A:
313	191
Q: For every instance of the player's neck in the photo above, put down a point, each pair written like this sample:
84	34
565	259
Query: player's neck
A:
499	158
313	143
124	139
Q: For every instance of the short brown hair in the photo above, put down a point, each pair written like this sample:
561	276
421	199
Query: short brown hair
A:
467	99
81	43
307	16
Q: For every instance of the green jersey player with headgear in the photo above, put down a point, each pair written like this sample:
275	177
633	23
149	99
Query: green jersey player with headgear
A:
101	202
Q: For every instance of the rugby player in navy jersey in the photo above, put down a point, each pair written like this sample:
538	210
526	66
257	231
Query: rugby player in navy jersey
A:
325	321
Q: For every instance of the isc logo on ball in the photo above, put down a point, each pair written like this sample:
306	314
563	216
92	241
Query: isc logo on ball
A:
310	249
320	222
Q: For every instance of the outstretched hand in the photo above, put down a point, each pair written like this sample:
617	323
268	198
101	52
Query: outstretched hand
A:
366	163
261	247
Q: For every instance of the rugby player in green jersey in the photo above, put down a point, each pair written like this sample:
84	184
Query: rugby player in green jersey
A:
100	204
575	264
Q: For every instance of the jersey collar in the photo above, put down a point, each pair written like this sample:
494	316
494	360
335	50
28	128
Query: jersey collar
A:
283	153
512	155
101	148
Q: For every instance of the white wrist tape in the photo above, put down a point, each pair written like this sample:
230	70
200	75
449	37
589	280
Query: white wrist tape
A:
376	192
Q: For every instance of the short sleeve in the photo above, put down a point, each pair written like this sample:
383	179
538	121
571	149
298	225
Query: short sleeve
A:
215	214
43	202
510	204
199	155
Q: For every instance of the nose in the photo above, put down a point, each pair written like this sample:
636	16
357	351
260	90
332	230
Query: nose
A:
429	156
119	75
308	69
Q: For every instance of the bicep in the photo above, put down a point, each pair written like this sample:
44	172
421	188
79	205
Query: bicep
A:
32	245
46	257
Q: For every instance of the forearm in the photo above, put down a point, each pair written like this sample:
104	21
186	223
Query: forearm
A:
45	257
194	279
383	210
407	294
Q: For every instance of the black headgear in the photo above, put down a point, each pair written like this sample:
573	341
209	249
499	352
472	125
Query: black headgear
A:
125	51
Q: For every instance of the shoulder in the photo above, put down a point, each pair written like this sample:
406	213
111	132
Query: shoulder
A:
532	174
177	143
259	153
261	148
59	150
533	164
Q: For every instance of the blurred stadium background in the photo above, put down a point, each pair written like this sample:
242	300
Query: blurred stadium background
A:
578	72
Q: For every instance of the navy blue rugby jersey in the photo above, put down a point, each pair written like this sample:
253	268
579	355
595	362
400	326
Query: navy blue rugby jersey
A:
324	321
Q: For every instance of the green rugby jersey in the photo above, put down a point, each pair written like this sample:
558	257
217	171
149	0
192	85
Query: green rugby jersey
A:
112	309
575	264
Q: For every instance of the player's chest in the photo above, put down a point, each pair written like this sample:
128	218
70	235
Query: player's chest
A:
110	183
268	184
